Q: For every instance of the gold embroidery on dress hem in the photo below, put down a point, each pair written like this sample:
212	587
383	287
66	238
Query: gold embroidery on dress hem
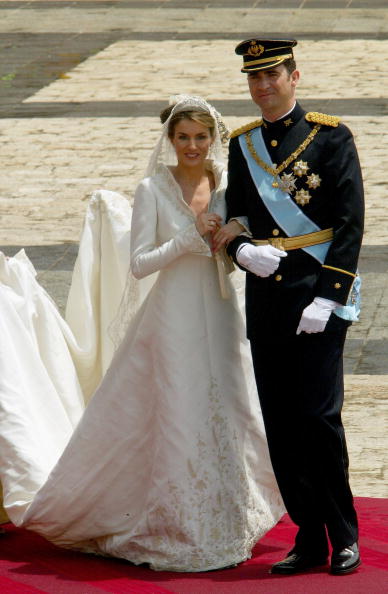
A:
215	507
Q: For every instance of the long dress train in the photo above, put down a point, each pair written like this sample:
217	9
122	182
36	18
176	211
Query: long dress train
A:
168	462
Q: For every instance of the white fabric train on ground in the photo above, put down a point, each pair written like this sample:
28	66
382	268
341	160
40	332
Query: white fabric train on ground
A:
143	472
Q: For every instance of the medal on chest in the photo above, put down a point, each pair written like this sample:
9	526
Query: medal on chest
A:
290	182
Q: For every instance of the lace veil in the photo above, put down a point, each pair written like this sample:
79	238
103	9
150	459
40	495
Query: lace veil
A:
136	291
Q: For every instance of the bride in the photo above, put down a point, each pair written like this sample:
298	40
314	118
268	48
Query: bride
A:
168	463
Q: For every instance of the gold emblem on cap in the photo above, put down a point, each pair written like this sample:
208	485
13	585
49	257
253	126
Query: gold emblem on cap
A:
255	49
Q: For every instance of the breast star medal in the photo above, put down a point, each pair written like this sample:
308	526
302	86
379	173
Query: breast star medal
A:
287	182
313	181
300	168
302	197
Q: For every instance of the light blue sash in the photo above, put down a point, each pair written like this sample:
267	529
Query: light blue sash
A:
282	208
290	217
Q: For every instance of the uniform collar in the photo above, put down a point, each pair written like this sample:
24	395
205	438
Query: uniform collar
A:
286	122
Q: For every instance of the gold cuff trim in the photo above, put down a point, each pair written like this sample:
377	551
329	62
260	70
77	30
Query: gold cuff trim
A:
339	270
266	60
298	241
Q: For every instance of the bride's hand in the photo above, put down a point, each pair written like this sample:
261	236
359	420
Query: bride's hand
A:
207	222
225	234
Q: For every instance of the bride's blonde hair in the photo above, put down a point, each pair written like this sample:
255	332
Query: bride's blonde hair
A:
200	117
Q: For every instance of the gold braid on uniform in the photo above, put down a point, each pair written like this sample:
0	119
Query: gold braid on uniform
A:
246	128
322	118
275	171
312	116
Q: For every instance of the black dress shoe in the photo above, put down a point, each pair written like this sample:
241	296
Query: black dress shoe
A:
298	562
346	560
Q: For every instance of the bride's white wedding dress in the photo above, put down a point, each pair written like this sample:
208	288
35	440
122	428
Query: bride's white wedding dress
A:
168	462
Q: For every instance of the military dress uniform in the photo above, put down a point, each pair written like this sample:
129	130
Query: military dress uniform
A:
300	377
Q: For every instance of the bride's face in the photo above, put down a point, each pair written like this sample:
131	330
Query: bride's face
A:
191	142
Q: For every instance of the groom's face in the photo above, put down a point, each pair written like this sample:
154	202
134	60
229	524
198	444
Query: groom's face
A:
273	90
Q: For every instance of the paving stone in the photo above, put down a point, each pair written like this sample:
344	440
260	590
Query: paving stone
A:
49	166
168	18
181	4
365	420
132	108
179	65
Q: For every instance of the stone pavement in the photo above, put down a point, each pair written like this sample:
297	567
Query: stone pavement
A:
81	84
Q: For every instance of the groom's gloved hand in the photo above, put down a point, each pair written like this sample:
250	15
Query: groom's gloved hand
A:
316	315
261	260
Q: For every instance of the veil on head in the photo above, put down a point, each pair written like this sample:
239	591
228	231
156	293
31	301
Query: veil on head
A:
164	151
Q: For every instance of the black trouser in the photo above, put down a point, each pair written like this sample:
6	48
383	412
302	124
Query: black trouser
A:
300	385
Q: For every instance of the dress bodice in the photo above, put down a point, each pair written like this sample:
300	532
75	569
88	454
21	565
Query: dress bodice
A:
163	225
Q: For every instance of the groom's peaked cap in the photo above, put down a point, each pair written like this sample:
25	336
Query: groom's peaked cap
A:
261	54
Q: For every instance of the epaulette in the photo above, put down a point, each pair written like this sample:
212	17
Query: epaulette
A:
246	128
322	118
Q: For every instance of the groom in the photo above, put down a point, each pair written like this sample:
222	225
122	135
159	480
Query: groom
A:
296	177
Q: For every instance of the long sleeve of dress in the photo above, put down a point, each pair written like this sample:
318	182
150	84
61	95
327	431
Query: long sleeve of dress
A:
148	255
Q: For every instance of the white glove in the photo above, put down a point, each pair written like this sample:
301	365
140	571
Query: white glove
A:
315	316
261	260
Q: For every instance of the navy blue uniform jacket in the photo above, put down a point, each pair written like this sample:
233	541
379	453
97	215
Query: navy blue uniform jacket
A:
274	305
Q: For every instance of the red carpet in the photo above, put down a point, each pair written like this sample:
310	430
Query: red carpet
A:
29	564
